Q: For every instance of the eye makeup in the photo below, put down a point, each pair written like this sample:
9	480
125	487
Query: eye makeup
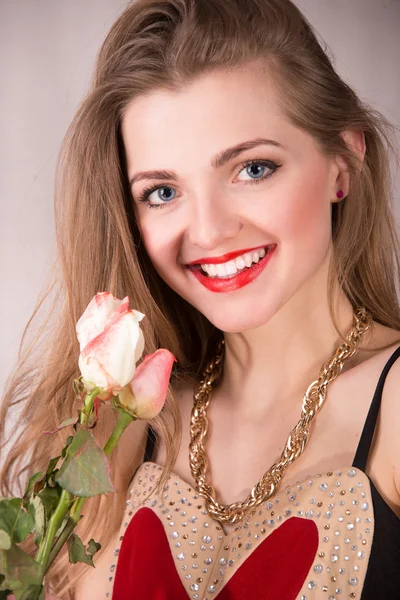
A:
143	198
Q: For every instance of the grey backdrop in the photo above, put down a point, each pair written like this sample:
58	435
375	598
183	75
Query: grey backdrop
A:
47	50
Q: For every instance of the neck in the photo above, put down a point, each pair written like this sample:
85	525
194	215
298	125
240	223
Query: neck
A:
278	361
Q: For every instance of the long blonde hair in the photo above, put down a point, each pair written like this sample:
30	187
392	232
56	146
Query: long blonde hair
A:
165	44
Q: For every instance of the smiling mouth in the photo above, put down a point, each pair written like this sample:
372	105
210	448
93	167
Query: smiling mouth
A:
231	268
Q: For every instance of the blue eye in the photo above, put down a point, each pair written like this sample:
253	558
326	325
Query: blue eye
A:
145	195
254	168
257	167
164	193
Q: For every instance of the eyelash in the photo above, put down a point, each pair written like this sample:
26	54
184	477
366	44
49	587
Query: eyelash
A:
144	196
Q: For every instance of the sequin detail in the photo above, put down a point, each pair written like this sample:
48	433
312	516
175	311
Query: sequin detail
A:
206	558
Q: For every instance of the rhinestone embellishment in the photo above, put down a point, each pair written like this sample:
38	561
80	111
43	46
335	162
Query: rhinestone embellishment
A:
338	502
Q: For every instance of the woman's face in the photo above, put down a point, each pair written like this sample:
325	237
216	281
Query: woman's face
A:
222	188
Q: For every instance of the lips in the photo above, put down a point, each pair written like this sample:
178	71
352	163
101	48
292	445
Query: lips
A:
216	260
234	282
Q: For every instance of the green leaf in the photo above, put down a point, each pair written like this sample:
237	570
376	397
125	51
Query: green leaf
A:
15	520
30	488
65	423
93	547
22	574
36	509
85	472
38	481
51	465
67	445
5	540
50	497
79	553
51	480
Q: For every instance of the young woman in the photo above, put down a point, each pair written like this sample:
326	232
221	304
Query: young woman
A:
224	176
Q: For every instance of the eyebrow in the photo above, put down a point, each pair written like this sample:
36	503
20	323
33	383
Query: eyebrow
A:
218	161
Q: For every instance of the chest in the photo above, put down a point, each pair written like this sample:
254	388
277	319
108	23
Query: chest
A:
314	537
240	452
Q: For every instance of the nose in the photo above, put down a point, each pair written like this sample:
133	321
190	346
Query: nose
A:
212	221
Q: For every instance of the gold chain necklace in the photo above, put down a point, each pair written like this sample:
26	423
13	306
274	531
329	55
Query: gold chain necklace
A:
296	441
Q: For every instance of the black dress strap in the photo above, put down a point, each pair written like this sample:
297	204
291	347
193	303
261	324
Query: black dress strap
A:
364	445
150	444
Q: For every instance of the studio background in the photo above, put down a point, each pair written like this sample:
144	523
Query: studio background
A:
47	50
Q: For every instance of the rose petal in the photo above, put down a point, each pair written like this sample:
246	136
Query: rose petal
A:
139	347
145	396
138	315
113	351
97	314
94	372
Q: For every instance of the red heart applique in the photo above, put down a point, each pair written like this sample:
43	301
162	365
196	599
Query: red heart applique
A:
277	568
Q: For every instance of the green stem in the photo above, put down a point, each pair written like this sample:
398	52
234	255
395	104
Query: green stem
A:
59	543
88	405
48	550
56	520
76	509
75	516
124	419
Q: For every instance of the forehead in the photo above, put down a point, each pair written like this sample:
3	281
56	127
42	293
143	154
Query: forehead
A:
216	110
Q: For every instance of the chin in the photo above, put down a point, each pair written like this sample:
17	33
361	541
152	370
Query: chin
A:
234	313
239	323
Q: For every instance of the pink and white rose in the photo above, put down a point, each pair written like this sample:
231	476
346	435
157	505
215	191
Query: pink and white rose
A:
145	395
111	342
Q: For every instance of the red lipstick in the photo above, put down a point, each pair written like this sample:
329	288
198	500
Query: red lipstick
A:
234	282
225	257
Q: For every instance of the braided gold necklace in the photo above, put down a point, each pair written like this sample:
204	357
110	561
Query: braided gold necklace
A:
296	441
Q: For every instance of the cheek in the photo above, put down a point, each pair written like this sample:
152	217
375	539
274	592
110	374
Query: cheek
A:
304	223
160	240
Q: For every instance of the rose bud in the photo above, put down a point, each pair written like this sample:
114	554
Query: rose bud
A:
145	395
111	342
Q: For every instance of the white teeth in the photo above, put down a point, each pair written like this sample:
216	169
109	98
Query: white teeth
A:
233	266
240	262
248	259
221	270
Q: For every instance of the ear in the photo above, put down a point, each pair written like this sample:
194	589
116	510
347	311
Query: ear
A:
355	140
